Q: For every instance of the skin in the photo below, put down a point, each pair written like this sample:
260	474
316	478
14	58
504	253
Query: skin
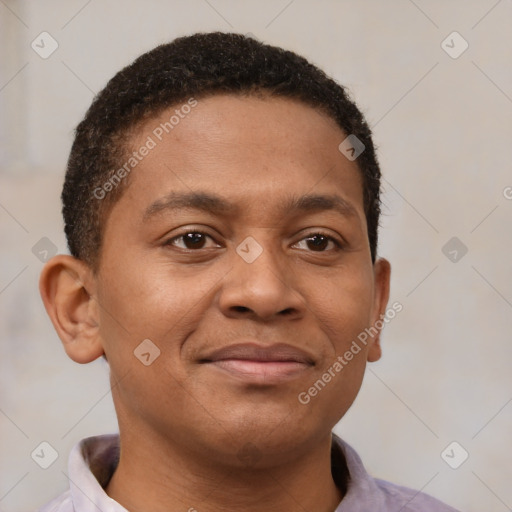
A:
184	424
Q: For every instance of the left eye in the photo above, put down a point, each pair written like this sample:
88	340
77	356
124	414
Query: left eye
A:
192	240
318	242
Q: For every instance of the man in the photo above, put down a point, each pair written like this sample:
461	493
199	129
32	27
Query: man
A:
221	205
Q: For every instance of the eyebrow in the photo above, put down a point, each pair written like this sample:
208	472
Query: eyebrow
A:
193	200
219	206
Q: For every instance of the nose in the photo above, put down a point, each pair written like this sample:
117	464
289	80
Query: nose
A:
262	289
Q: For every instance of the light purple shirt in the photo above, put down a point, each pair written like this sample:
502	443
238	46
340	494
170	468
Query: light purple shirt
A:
93	460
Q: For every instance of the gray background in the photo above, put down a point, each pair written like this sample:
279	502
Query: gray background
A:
443	127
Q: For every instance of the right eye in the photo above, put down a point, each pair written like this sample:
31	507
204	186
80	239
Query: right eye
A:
192	240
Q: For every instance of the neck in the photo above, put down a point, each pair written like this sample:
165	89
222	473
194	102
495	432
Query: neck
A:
162	477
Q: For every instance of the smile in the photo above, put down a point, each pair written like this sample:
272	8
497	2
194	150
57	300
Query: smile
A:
264	372
261	365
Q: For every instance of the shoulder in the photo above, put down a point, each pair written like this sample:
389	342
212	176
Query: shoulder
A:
368	493
62	503
410	500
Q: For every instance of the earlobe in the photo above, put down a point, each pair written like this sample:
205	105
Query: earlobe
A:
66	287
382	277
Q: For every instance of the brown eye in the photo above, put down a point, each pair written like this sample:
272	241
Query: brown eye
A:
193	240
318	242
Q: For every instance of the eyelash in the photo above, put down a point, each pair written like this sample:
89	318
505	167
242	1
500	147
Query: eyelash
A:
338	245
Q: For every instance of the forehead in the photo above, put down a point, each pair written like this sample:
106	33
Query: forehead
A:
245	148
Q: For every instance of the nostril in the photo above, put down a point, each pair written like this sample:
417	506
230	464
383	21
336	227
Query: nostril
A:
240	309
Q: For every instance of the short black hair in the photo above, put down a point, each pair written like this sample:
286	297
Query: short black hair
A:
194	66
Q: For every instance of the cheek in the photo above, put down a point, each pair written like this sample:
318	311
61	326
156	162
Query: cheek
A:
343	306
147	305
156	301
343	313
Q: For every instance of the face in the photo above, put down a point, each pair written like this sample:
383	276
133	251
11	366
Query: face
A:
240	250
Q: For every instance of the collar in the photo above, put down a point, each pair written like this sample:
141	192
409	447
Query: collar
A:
93	460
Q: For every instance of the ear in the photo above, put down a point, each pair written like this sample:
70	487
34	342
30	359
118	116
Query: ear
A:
382	276
67	289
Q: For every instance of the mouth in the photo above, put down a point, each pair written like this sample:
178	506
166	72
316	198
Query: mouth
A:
257	364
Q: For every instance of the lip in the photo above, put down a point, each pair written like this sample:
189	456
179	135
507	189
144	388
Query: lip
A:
260	364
